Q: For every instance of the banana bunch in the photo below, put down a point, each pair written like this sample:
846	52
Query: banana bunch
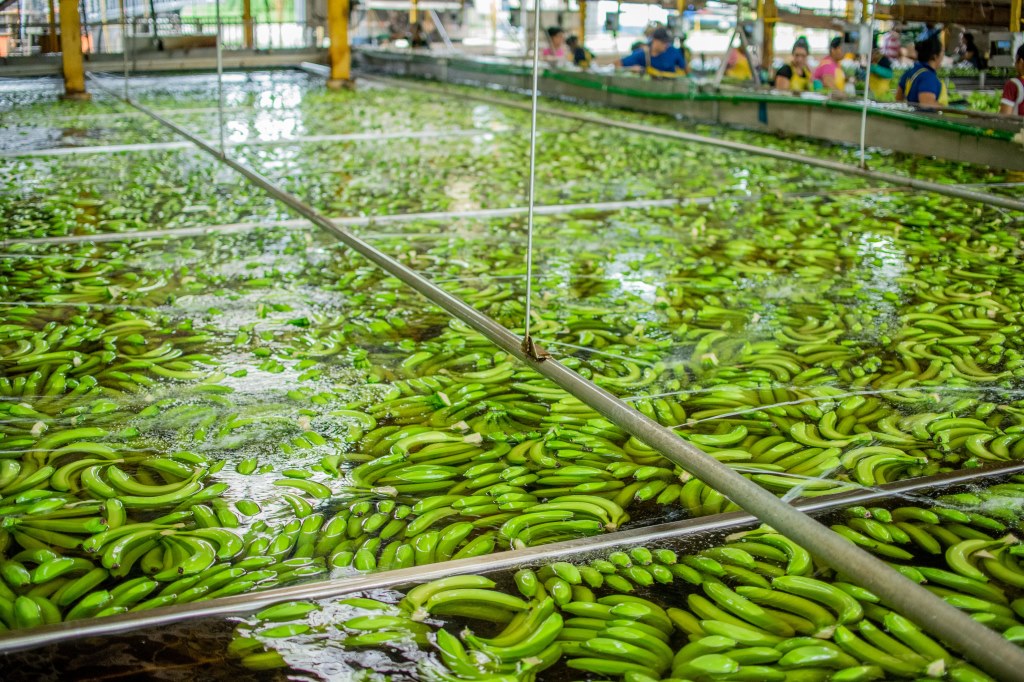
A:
124	353
90	280
458	451
756	606
171	561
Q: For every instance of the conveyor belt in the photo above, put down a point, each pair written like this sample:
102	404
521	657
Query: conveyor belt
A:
939	188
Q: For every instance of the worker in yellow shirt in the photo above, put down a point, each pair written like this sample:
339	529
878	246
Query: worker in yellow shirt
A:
795	76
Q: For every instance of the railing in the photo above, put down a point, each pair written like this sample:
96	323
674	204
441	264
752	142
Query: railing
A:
28	39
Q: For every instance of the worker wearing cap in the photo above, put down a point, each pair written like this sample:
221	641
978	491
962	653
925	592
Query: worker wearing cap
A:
659	58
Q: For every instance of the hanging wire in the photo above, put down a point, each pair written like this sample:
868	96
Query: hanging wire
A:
868	23
527	341
220	83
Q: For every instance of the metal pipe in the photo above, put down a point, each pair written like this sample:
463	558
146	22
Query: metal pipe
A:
892	178
285	141
439	25
429	216
245	604
988	649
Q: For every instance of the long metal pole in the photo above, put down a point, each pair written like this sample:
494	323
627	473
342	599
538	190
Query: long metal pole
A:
220	82
985	647
892	178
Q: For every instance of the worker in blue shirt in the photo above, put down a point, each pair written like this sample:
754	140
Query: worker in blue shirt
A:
920	84
659	58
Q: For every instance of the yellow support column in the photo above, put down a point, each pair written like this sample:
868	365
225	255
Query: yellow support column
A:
248	35
53	22
341	53
1015	9
71	50
771	15
414	13
759	13
494	25
583	23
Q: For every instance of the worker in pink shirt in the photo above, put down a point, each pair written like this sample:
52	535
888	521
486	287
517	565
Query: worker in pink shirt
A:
828	72
556	51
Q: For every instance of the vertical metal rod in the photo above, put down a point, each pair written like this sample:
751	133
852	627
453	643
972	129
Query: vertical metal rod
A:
869	41
220	82
533	169
124	45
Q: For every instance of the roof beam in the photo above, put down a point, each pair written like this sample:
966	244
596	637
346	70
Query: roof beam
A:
959	13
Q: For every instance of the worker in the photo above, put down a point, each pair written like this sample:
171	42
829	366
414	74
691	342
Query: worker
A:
1012	102
930	30
659	58
968	52
829	73
555	51
417	36
892	45
920	84
581	56
687	53
879	75
795	76
738	66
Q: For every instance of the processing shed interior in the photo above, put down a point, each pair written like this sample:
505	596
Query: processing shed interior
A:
412	379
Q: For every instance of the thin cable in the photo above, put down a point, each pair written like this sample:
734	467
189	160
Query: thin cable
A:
868	23
533	171
220	82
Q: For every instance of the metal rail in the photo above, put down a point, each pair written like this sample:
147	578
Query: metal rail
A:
986	648
368	136
428	216
245	604
957	191
366	221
